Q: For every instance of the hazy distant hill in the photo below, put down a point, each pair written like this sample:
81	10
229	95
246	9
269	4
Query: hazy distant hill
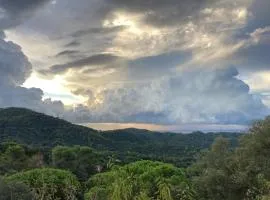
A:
26	126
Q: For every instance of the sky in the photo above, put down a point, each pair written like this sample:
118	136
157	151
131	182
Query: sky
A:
165	65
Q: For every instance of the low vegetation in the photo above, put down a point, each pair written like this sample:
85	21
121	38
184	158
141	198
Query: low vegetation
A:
129	145
225	170
141	180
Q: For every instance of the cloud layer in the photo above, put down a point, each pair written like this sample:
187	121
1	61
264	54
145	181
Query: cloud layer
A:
13	12
163	62
14	70
203	96
15	67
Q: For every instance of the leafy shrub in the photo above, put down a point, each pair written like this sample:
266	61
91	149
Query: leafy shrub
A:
80	160
49	184
14	190
141	180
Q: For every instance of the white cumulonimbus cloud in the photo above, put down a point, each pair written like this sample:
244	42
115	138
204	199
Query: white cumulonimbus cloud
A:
15	67
200	96
124	58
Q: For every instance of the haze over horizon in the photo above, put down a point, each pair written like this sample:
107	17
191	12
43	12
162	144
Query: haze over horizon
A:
164	64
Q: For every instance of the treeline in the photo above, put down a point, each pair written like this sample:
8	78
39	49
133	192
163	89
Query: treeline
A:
242	173
131	164
223	172
128	145
70	173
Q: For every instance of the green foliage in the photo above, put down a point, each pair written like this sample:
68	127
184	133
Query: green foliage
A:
225	172
141	180
129	145
49	184
82	161
32	128
14	191
216	178
132	145
15	157
96	193
242	173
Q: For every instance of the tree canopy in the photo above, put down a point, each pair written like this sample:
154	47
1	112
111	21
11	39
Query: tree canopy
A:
241	173
49	184
141	180
228	170
82	161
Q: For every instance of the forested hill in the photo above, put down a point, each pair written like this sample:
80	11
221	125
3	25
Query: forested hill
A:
36	129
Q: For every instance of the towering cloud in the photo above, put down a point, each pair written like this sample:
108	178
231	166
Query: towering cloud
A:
201	96
15	67
14	70
156	61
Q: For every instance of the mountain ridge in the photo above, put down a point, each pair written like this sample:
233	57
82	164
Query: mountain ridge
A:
32	128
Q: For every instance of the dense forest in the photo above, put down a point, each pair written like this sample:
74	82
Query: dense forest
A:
45	158
128	145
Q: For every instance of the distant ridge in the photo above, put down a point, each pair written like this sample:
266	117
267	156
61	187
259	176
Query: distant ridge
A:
26	126
37	129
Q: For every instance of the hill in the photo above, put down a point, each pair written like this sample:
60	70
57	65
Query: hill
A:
26	126
36	129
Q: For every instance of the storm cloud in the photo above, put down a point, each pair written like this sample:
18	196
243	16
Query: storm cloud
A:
155	61
15	67
94	60
161	12
14	12
203	96
99	31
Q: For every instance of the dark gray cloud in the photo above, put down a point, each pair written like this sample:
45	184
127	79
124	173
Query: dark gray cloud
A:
161	12
68	53
254	58
14	70
155	5
97	30
29	98
216	36
98	59
260	15
73	43
14	65
15	11
18	6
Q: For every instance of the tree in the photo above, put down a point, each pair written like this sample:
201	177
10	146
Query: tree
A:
82	161
12	158
212	178
143	180
49	184
16	157
14	190
243	173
